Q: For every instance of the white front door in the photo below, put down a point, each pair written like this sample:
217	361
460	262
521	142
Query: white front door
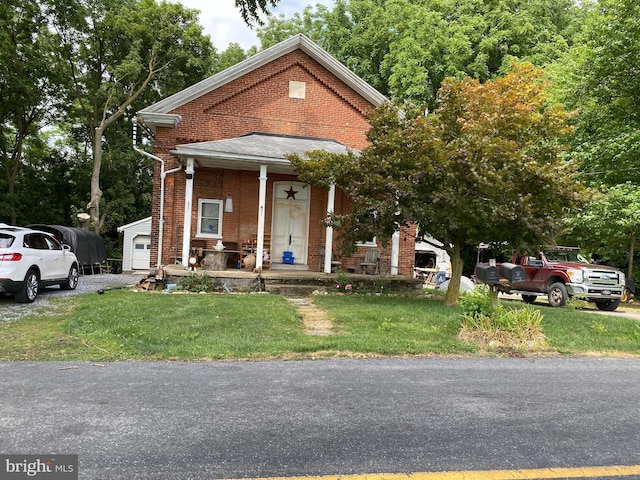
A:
141	254
290	224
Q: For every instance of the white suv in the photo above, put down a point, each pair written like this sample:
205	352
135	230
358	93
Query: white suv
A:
30	259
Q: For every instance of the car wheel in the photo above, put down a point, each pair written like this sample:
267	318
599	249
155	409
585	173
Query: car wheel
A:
29	290
72	279
529	298
608	305
557	295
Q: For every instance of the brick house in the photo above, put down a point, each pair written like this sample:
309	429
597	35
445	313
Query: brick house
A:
220	147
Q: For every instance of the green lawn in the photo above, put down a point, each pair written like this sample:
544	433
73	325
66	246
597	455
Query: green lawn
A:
125	325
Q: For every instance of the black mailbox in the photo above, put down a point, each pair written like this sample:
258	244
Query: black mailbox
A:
512	272
487	273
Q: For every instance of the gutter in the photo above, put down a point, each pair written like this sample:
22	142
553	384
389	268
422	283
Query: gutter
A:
163	175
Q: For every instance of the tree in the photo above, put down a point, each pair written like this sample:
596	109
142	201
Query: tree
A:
232	55
116	51
251	9
487	165
27	88
610	224
406	48
598	78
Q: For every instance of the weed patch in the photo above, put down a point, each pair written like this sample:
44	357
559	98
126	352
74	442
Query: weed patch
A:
503	329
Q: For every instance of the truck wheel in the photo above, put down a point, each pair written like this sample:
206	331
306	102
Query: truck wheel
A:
608	305
557	295
529	298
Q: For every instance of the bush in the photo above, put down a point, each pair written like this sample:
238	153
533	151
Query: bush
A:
501	328
343	283
477	302
196	283
576	303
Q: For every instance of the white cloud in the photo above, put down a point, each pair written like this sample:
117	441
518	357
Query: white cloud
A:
221	20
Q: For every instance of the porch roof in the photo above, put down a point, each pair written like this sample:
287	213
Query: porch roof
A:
250	151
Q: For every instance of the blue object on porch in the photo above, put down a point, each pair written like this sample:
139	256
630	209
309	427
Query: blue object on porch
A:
287	257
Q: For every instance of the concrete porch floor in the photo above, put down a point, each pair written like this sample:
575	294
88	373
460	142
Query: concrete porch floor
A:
295	282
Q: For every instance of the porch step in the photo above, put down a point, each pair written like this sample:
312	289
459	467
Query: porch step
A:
296	290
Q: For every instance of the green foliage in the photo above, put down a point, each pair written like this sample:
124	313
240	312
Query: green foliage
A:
576	303
488	163
196	283
609	224
29	85
476	302
500	328
507	330
343	283
116	53
405	49
596	78
251	9
81	65
229	57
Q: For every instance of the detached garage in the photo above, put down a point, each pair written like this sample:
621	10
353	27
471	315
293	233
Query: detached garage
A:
136	247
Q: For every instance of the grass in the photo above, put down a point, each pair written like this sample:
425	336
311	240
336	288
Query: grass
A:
124	325
576	332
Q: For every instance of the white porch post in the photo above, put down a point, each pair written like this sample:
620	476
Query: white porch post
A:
395	252
328	239
262	201
188	201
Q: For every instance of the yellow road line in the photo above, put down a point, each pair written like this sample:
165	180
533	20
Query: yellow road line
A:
539	473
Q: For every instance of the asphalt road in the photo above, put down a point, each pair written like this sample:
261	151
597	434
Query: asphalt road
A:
148	420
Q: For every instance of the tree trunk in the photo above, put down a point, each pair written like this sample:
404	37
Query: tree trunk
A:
12	195
453	292
96	194
16	163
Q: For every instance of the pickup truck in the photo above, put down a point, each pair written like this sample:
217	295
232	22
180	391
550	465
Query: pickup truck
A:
562	272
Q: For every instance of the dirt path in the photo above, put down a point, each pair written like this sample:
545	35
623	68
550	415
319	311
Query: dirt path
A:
316	321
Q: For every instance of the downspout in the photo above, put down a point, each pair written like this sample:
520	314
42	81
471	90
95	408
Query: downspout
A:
163	175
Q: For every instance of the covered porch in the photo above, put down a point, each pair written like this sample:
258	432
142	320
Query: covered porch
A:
247	184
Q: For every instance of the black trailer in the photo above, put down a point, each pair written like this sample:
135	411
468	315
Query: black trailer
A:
87	245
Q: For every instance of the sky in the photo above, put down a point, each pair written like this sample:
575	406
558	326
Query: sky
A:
221	20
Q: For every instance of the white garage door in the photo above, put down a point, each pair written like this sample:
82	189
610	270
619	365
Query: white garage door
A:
141	252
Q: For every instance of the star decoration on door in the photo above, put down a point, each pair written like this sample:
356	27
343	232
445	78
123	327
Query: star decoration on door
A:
291	193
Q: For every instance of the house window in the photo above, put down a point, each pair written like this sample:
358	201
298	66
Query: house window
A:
369	242
372	242
210	218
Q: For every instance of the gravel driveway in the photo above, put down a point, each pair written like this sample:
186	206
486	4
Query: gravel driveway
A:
10	310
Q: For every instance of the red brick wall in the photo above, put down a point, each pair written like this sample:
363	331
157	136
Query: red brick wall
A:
259	102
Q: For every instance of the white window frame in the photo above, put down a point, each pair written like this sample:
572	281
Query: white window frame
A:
208	201
368	243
